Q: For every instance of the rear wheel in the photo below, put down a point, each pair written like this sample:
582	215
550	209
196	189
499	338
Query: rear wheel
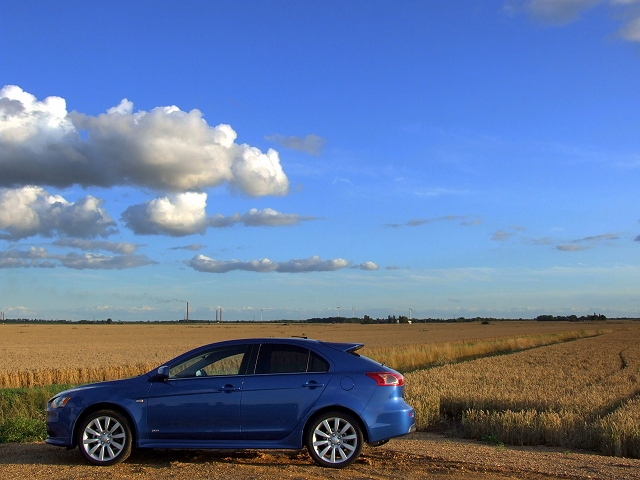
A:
104	438
334	440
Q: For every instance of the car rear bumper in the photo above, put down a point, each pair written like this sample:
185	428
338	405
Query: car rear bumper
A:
388	420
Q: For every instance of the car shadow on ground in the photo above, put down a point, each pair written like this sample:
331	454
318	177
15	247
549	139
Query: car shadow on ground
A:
47	455
42	454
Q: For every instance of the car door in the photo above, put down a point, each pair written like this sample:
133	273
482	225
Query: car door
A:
286	383
201	398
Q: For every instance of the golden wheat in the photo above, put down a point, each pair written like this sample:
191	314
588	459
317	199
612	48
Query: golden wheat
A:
401	357
408	358
568	394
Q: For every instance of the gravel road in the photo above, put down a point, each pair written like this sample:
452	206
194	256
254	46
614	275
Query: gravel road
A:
420	455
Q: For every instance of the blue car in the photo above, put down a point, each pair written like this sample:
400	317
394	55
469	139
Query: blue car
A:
256	393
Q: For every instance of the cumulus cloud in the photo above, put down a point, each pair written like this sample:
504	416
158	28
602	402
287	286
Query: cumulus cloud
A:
203	263
367	266
560	12
163	149
311	144
92	245
30	210
176	215
184	214
40	258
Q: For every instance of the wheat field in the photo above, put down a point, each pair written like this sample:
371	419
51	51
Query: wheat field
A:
44	354
564	386
583	394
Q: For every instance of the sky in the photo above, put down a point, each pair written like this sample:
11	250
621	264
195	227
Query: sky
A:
290	160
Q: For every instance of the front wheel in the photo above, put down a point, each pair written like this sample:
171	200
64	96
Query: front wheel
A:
104	438
334	440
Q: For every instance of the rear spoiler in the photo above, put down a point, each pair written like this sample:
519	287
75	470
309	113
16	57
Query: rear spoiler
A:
345	347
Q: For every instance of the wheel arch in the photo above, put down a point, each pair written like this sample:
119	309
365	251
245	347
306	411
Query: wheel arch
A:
105	406
336	408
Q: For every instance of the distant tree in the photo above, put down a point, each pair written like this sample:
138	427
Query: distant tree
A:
109	320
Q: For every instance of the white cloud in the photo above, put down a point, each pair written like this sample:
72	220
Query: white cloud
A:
417	222
591	241
193	247
164	149
565	11
40	258
92	245
203	263
572	248
176	215
268	217
367	266
311	144
559	11
184	214
93	261
30	210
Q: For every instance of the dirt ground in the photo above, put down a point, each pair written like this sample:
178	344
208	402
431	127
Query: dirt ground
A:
416	456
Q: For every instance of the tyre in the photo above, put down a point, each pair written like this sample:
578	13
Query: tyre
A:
104	438
334	440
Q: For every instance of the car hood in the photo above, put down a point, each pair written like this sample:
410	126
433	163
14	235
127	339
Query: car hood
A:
123	383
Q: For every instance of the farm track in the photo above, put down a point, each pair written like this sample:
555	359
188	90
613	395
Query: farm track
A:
417	456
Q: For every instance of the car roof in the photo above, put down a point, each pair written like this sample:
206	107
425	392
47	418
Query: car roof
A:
341	346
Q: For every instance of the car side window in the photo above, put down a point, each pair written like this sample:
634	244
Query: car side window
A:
219	361
317	363
275	358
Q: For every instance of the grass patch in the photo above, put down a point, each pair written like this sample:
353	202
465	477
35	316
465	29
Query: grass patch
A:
23	412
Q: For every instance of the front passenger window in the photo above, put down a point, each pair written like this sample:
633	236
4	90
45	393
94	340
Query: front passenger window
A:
220	361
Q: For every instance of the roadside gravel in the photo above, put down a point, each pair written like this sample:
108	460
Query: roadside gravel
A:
420	455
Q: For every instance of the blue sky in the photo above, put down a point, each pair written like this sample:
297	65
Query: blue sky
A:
459	158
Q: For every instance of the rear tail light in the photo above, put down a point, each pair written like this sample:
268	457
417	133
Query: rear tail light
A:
387	379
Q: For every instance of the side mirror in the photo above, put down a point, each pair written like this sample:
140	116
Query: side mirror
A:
163	373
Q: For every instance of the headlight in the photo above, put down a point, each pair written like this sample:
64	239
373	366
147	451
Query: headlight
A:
59	402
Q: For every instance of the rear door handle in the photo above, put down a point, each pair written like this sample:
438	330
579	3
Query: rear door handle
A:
228	388
312	384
